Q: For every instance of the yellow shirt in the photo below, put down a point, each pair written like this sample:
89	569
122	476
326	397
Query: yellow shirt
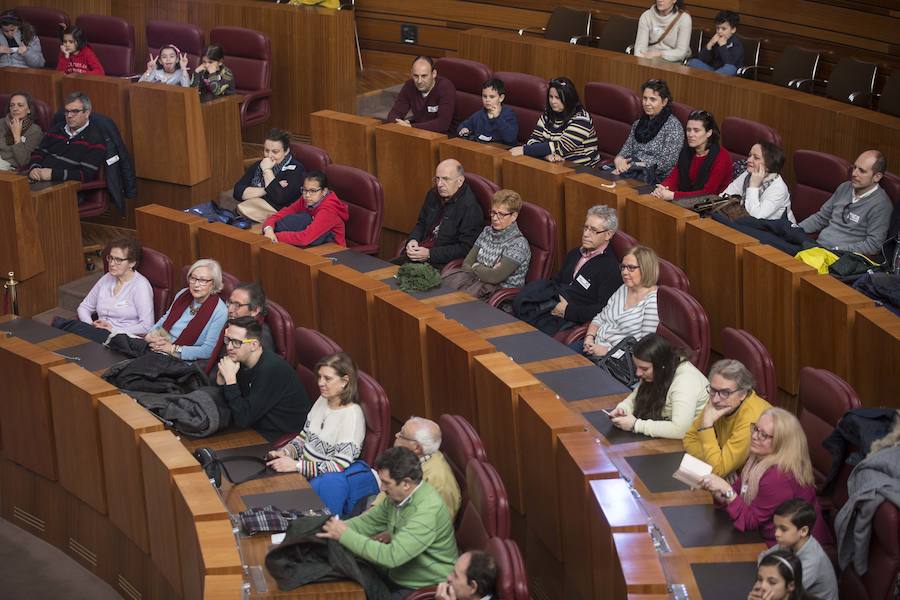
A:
319	3
726	444
437	472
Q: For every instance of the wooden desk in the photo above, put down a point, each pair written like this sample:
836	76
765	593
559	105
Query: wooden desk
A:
109	97
399	321
289	275
237	250
74	396
498	383
875	341
612	509
410	157
351	322
482	159
348	138
452	348
713	262
42	84
540	183
641	570
770	309
172	232
660	225
827	310
582	191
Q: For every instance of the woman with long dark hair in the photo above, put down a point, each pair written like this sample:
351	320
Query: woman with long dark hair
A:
565	131
670	395
703	167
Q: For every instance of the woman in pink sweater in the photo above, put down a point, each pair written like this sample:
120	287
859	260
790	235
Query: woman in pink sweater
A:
76	55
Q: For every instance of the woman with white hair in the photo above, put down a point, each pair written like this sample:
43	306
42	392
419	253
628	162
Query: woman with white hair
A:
192	327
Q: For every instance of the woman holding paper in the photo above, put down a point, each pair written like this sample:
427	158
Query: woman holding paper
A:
778	469
671	393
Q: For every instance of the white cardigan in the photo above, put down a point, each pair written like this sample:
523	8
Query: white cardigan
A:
771	204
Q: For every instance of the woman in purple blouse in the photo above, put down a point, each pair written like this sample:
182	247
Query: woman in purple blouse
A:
777	469
122	298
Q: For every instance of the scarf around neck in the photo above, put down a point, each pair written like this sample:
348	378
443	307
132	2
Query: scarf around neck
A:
258	180
685	183
647	128
26	123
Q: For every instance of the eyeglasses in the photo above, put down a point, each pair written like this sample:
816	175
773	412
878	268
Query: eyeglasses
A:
588	228
399	435
236	305
197	281
236	342
436	180
115	259
713	392
501	215
756	431
629	268
310	191
74	111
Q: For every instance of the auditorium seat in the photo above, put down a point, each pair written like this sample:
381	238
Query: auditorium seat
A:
618	34
486	514
539	228
890	182
460	443
377	410
484	190
823	398
740	345
564	25
157	268
93	196
526	95
817	175
281	324
467	76
884	560
672	276
46	22
187	37
248	53
696	44
792	64
310	346
621	243
365	198
752	47
739	135
613	109
112	39
681	112
851	81
43	113
889	99
312	157
683	322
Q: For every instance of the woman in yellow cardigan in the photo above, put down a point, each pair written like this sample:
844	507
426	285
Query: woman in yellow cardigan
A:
720	435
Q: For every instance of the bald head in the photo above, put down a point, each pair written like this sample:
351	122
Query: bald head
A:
423	74
448	177
867	170
422	436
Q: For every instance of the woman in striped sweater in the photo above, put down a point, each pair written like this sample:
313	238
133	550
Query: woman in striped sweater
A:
565	131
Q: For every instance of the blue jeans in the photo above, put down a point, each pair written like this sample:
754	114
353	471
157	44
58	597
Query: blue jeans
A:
724	69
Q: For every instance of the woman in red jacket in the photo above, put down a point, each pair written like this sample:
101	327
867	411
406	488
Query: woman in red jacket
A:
703	167
318	217
76	55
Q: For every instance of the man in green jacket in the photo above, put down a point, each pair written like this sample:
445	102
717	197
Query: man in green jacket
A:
410	536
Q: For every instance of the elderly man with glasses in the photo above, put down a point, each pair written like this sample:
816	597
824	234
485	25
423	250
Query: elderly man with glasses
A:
73	151
260	387
449	221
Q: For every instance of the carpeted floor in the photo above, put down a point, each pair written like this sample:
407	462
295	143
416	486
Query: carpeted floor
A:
31	569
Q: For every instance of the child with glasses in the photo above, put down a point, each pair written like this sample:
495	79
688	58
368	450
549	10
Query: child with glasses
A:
318	217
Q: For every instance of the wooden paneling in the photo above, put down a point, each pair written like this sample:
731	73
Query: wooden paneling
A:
42	84
172	232
582	191
289	276
33	503
235	249
74	393
21	250
90	539
348	139
660	225
875	342
482	159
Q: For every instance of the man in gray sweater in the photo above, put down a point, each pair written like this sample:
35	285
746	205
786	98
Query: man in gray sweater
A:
856	217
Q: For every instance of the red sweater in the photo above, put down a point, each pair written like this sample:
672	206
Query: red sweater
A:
718	180
330	214
81	61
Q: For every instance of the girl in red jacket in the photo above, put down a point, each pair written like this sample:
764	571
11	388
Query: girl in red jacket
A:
76	55
317	217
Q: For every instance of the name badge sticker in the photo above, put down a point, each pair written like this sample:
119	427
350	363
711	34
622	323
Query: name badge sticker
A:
584	282
485	138
112	160
854	218
288	167
432	109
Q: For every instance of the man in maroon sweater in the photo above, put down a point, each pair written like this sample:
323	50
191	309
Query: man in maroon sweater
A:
426	101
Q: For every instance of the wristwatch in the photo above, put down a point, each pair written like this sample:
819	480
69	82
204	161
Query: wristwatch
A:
729	495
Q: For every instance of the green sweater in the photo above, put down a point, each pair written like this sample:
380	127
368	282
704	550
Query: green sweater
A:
422	551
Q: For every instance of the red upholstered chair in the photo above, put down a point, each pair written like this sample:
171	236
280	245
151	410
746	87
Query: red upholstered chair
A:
112	39
739	135
484	190
672	276
539	228
467	76
310	384
884	560
46	22
158	269
312	157
526	95
486	514
248	53
683	322
187	37
311	345
93	196
365	198
817	175
681	111
891	184
377	410
43	113
613	109
460	443
622	243
740	345
281	324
